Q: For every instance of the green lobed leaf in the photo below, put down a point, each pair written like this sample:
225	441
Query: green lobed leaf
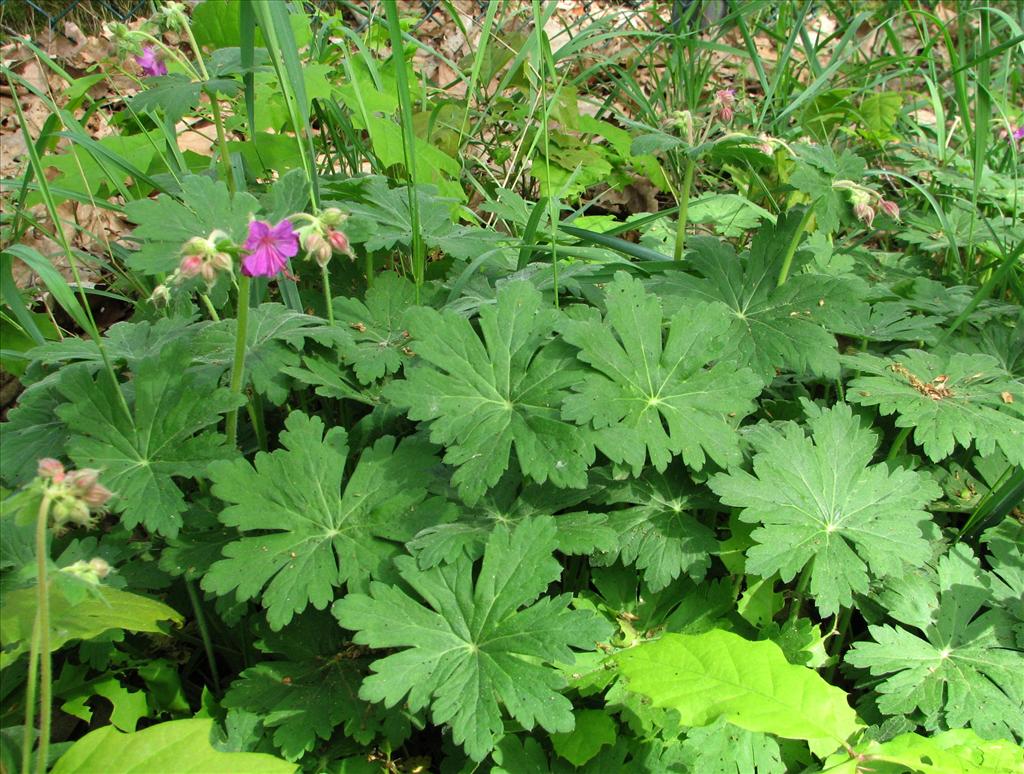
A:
165	436
718	674
594	729
646	398
485	397
476	646
950	399
310	534
380	342
821	504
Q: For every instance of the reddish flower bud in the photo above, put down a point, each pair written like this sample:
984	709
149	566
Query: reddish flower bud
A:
864	213
190	265
208	272
339	241
82	480
97	496
221	261
890	208
51	468
725	114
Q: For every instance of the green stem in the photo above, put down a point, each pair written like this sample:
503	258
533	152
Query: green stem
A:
842	629
209	307
800	592
238	369
43	633
369	269
204	633
222	143
684	206
787	261
30	699
326	275
898	443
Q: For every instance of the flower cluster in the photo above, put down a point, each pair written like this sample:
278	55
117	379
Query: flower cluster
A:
321	237
725	99
862	200
92	572
76	496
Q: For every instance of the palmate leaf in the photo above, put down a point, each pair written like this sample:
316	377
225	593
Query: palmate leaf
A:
165	436
380	342
510	501
966	669
719	674
723	748
659	533
32	431
820	503
646	398
482	398
773	327
473	647
950	399
311	536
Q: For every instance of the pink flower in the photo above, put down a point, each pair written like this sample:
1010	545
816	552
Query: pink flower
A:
1018	133
269	248
151	66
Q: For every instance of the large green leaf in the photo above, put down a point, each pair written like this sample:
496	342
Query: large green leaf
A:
959	751
482	398
949	399
472	646
649	398
181	746
821	504
308	535
719	674
380	342
164	435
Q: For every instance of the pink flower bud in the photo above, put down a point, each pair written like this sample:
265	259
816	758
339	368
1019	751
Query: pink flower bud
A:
82	480
190	265
725	97
339	241
890	208
100	567
97	496
725	114
208	272
221	261
51	468
864	213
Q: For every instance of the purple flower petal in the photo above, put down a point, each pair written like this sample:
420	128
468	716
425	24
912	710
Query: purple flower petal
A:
269	248
150	64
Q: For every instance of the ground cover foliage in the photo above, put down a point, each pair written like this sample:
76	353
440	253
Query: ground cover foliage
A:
546	394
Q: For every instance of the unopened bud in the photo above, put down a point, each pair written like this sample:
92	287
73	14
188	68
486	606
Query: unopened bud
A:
97	496
82	480
339	241
100	567
890	208
50	468
208	272
725	114
725	97
332	216
220	261
190	265
864	213
161	295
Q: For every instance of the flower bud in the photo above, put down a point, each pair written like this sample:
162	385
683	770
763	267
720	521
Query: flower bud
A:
100	567
208	272
890	208
725	114
97	496
50	468
172	16
864	213
190	265
332	216
339	241
221	262
81	481
161	295
317	248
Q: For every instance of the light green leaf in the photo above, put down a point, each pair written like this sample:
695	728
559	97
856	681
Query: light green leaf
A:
594	729
959	751
181	746
718	674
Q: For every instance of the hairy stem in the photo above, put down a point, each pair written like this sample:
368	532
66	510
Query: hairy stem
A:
42	633
204	633
684	206
326	275
787	261
238	368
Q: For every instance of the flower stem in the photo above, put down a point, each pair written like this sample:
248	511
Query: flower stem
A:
326	275
30	699
684	205
800	592
43	634
238	369
209	307
787	261
222	143
898	443
842	629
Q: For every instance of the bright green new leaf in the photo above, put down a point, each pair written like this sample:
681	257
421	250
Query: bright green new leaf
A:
950	399
773	327
380	341
311	535
649	398
723	748
472	647
165	224
164	436
103	609
181	746
484	397
718	674
821	503
966	669
959	751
